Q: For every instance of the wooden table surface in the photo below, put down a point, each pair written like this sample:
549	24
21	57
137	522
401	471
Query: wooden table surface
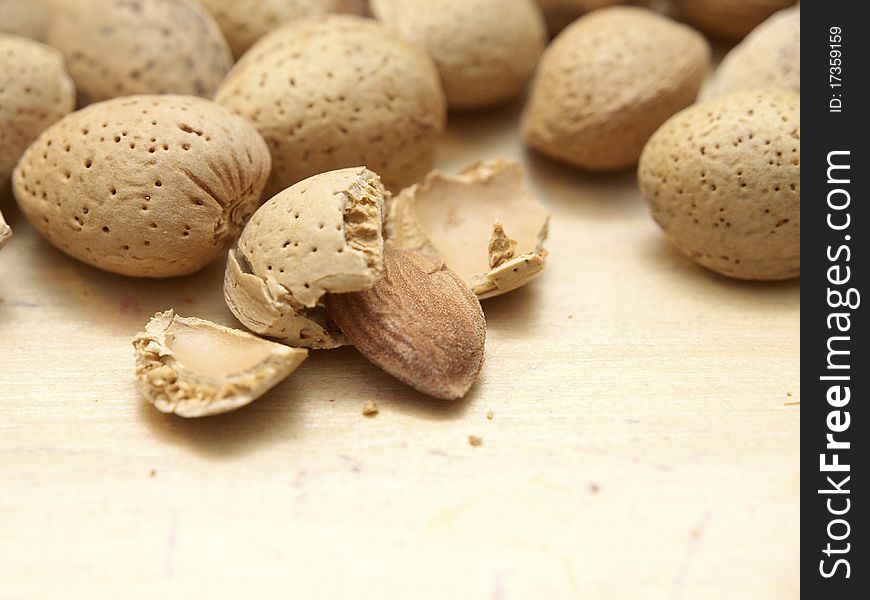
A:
644	442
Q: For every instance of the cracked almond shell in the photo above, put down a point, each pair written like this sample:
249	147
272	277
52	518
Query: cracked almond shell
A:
482	222
419	322
770	56
147	186
195	368
320	236
722	179
35	91
122	47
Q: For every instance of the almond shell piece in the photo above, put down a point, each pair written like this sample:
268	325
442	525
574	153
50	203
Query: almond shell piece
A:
5	231
195	368
482	222
322	235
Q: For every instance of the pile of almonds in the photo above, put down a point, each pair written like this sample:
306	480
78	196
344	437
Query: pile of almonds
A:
296	141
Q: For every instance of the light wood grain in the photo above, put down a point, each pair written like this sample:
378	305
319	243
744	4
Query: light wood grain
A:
641	445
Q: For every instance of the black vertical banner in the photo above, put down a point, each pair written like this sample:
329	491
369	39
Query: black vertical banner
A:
835	60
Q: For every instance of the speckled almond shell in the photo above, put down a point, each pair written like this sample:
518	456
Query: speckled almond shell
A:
728	19
722	178
245	21
150	186
35	91
338	91
419	322
485	50
560	13
196	368
125	47
607	82
770	56
322	235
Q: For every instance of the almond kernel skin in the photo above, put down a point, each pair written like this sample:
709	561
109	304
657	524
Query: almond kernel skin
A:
419	322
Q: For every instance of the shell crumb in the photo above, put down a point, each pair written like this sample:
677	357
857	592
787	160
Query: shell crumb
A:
475	440
370	408
501	247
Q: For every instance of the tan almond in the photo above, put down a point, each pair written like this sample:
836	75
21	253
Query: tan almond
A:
146	186
35	91
560	13
722	179
122	47
485	50
194	368
27	18
607	82
770	56
728	19
419	322
339	91
246	21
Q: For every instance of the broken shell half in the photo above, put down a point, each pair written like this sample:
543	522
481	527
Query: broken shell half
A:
482	222
5	231
321	235
195	368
